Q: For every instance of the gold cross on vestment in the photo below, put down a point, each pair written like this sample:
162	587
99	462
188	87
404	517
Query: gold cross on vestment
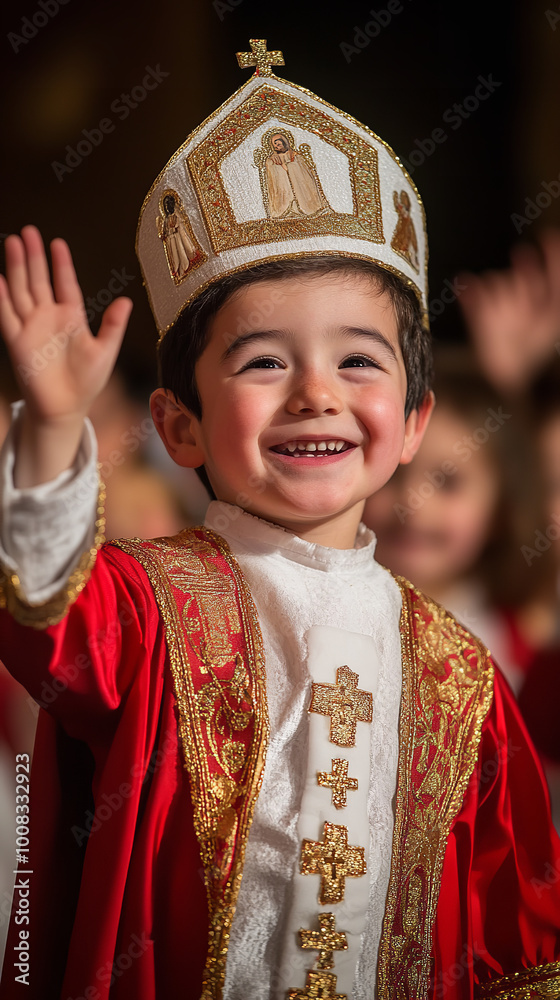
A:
333	860
338	781
320	986
345	704
260	58
325	940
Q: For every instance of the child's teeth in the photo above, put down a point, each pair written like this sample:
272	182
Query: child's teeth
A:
313	447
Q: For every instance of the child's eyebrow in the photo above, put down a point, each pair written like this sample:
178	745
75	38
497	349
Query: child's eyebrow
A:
349	332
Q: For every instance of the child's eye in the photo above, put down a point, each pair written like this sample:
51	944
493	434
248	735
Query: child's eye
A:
359	361
262	363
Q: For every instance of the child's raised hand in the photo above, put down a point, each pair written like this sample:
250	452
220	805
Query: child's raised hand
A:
513	315
61	367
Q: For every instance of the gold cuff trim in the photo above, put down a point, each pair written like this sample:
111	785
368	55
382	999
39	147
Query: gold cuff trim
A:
540	981
51	612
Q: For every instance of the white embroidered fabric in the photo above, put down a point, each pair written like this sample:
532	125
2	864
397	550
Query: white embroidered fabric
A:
297	585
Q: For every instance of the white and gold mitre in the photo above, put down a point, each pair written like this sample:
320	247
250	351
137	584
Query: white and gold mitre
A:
275	173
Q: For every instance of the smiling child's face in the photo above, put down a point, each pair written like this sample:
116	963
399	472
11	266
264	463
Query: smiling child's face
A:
303	412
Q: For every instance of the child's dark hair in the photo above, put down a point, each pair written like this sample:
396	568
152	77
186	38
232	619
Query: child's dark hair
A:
185	341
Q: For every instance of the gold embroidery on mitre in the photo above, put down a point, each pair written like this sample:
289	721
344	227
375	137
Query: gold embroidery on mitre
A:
326	940
338	781
541	981
207	609
205	162
333	860
404	241
320	986
345	704
259	57
290	183
182	250
446	695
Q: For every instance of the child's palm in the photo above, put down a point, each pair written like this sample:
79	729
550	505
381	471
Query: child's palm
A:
61	367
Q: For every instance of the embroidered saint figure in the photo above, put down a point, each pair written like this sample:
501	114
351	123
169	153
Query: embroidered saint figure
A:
404	240
180	245
292	188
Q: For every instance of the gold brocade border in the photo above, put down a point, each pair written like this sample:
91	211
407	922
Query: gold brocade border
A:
222	894
41	615
204	164
447	692
540	981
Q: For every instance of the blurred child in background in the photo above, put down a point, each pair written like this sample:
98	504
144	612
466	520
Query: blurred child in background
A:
456	519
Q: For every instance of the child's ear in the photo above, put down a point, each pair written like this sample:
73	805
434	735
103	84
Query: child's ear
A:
415	428
177	428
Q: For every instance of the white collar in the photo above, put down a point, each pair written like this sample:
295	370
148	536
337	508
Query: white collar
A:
255	535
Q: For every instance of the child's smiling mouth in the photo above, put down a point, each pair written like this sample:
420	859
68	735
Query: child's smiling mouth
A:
302	448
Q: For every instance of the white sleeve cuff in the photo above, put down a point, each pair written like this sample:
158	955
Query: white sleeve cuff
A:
44	529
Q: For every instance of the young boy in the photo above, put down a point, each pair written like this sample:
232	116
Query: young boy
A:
268	769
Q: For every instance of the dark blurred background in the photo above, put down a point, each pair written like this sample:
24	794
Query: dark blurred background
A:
66	66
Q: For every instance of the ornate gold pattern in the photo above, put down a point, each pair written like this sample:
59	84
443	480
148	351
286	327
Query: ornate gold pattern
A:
542	981
260	58
266	150
338	781
346	705
333	860
320	986
216	656
173	224
326	940
205	161
404	241
447	692
40	616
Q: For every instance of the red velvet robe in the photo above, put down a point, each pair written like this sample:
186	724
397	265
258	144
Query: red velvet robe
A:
141	907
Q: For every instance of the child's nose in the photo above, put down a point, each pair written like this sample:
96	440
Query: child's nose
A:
314	393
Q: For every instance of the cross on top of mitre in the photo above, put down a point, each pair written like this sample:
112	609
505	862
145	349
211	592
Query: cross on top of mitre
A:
260	58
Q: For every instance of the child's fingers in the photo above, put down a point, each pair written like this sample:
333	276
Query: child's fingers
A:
17	277
10	323
66	285
37	267
113	324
